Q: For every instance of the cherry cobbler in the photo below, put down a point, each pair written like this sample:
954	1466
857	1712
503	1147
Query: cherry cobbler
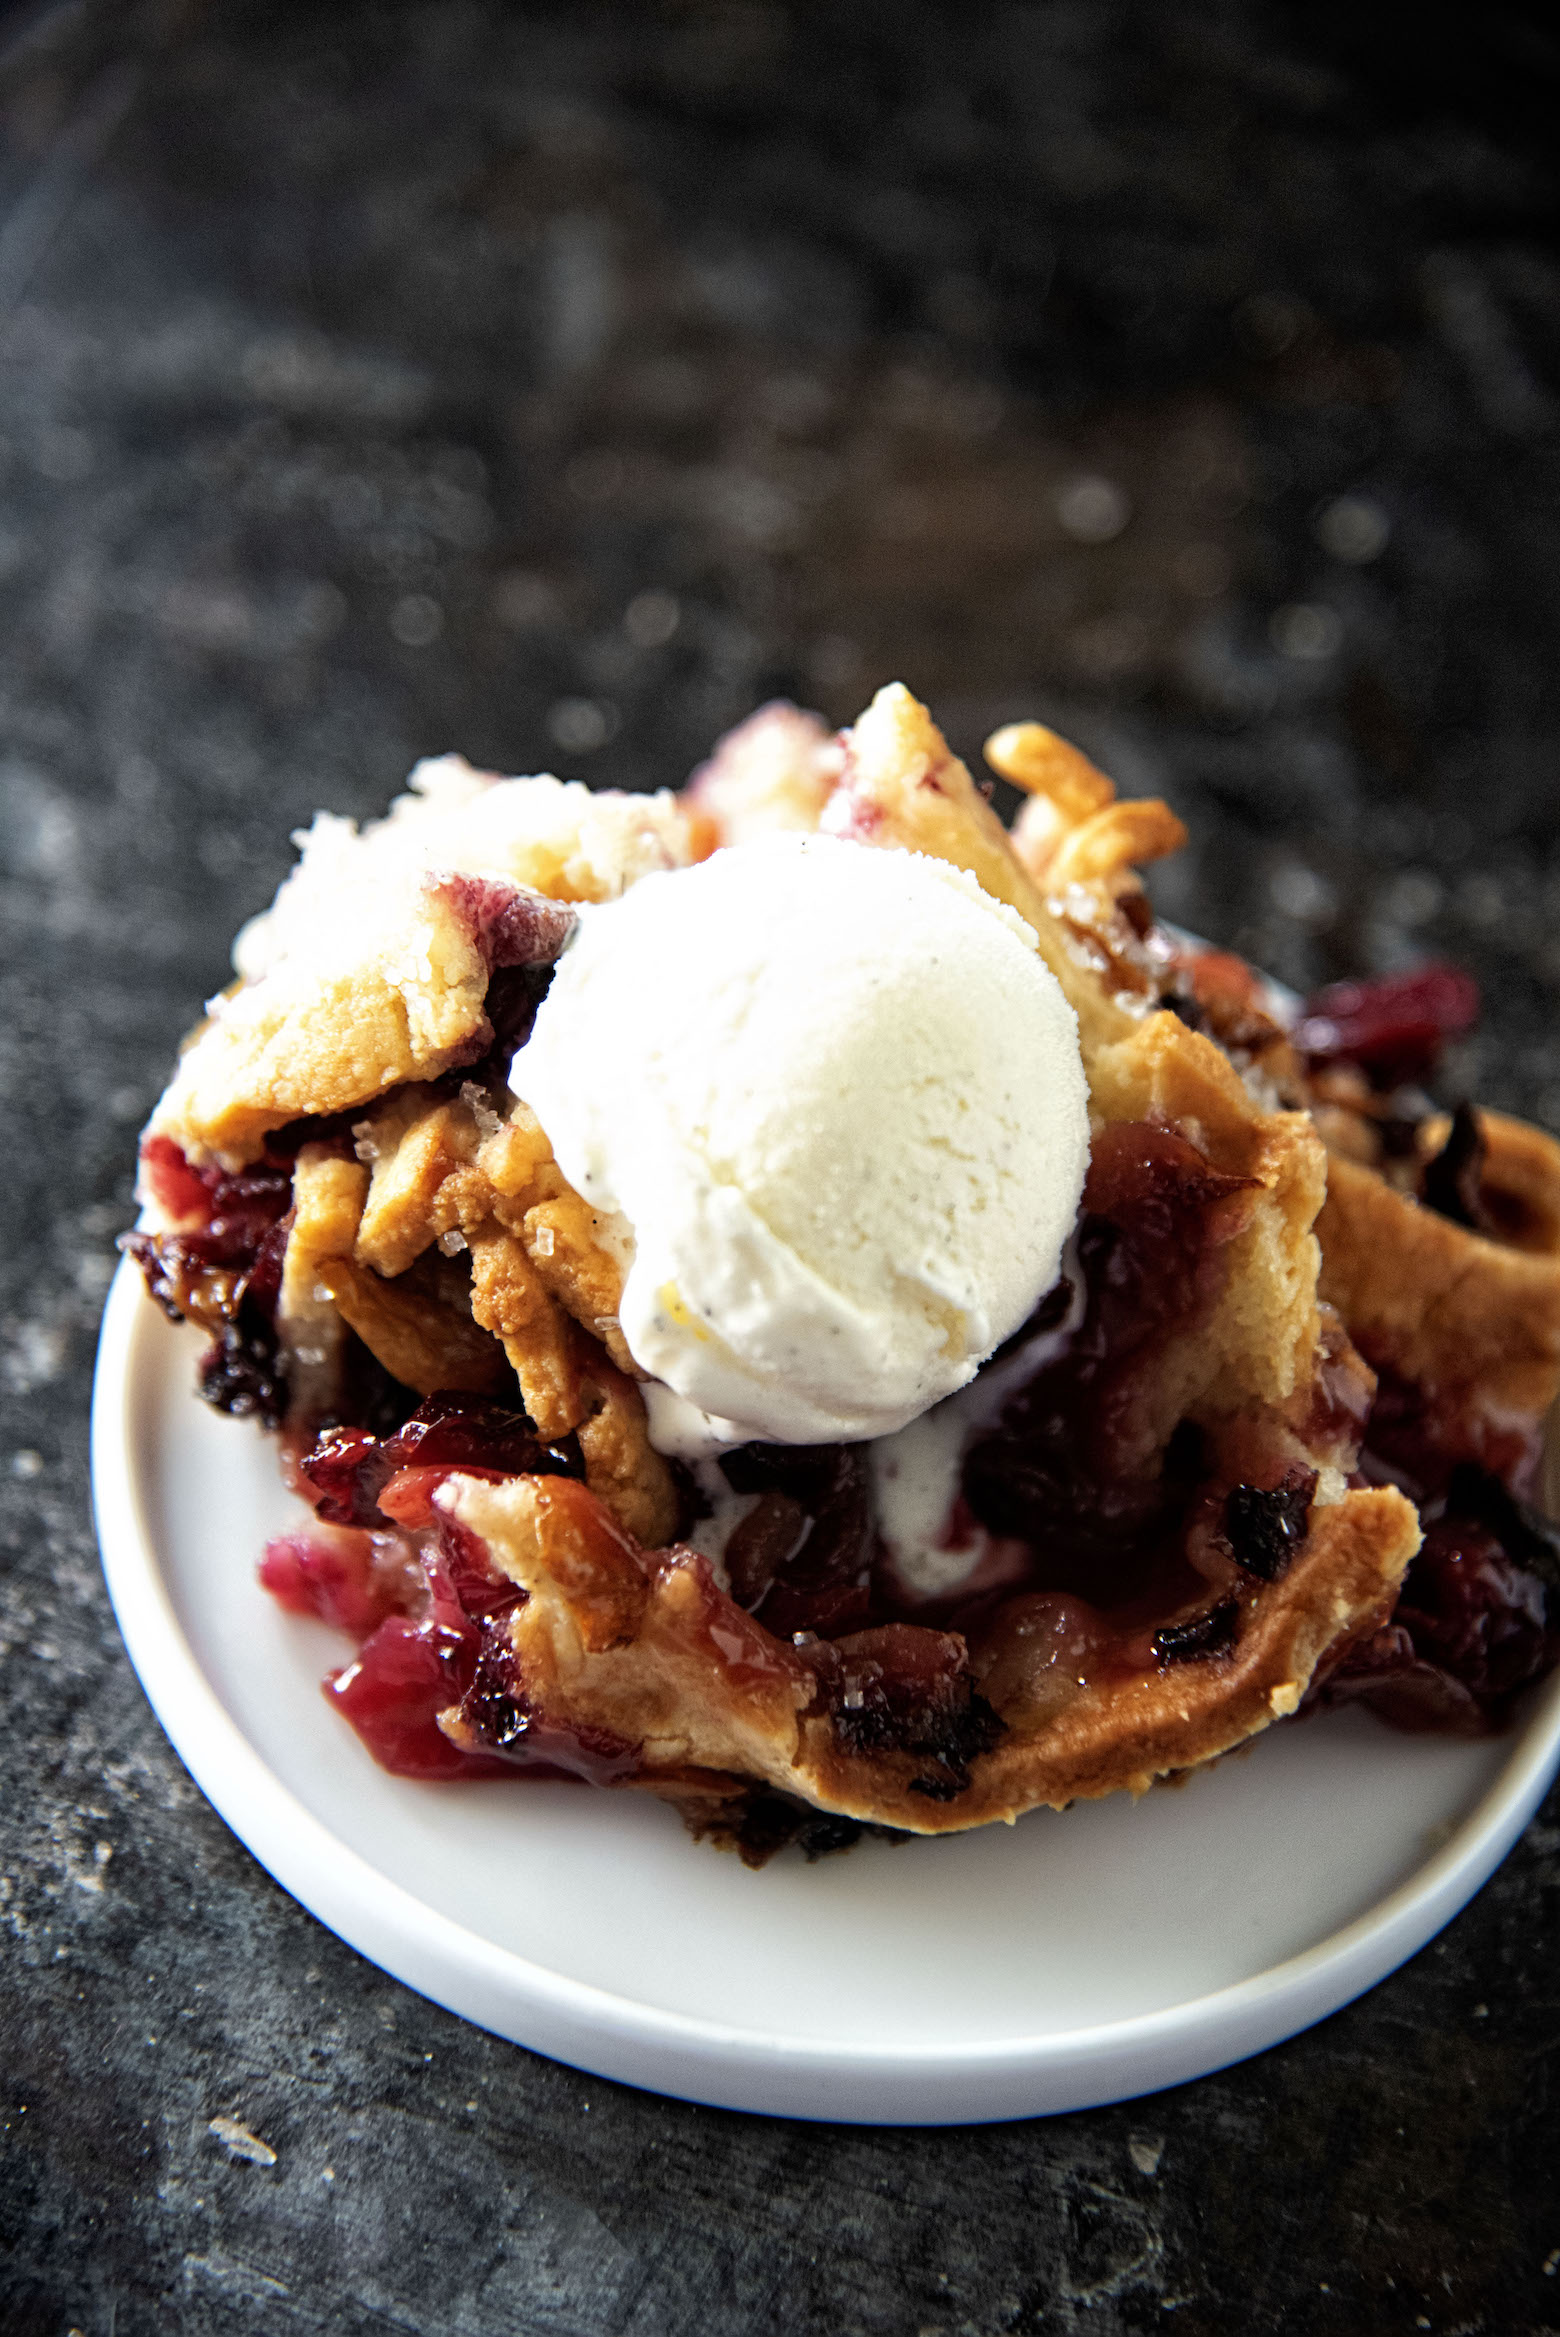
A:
797	1297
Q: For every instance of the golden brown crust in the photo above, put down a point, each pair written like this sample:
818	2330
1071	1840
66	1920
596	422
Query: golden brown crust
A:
1344	1582
1261	1341
415	1149
1051	769
622	1467
419	1327
1456	1313
1073	830
901	786
543	1343
661	1659
1121	837
570	1386
438	1178
388	983
562	1240
271	1056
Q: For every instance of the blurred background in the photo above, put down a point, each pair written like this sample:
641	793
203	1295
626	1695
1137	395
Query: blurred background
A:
555	383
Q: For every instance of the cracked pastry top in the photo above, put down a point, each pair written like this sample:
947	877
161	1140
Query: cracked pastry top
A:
799	1298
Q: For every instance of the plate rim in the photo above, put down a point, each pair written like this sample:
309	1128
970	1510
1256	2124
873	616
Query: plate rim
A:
760	2071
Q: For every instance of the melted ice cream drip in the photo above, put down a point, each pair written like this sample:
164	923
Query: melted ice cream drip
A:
935	1547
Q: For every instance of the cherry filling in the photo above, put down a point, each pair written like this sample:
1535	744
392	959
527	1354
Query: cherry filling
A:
1394	1028
416	1665
221	1269
346	1469
802	1559
420	1593
1071	1469
434	1690
902	1688
1478	1618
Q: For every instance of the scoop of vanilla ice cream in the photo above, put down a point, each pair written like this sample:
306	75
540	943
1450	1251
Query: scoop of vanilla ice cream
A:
833	1104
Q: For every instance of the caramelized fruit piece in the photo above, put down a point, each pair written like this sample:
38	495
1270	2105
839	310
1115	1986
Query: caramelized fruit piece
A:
402	1678
1266	1529
333	1577
1471	1629
902	1688
1209	1634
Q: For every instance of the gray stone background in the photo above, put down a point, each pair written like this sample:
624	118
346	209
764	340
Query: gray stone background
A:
555	382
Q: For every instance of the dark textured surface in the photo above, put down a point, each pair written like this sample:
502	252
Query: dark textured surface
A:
361	369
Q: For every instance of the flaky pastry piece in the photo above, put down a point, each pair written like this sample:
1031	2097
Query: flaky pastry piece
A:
775	771
373	966
459	1257
440	1235
643	1656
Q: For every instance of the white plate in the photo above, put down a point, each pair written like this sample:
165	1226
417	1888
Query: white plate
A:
1070	1960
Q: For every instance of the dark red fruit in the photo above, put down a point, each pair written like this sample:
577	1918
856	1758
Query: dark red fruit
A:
1419	1438
1470	1609
766	1540
1385	1673
510	925
1478	1618
413	1667
222	1268
178	1190
1452	1183
1202	1635
1471	1629
347	1468
331	1576
1062	1471
1394	1028
495	1714
437	1638
402	1678
819	1561
232	1215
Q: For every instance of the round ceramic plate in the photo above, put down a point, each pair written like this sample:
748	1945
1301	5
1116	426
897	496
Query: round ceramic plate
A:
1072	1959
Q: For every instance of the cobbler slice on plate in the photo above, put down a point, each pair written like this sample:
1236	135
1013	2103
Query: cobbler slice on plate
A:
1270	1432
